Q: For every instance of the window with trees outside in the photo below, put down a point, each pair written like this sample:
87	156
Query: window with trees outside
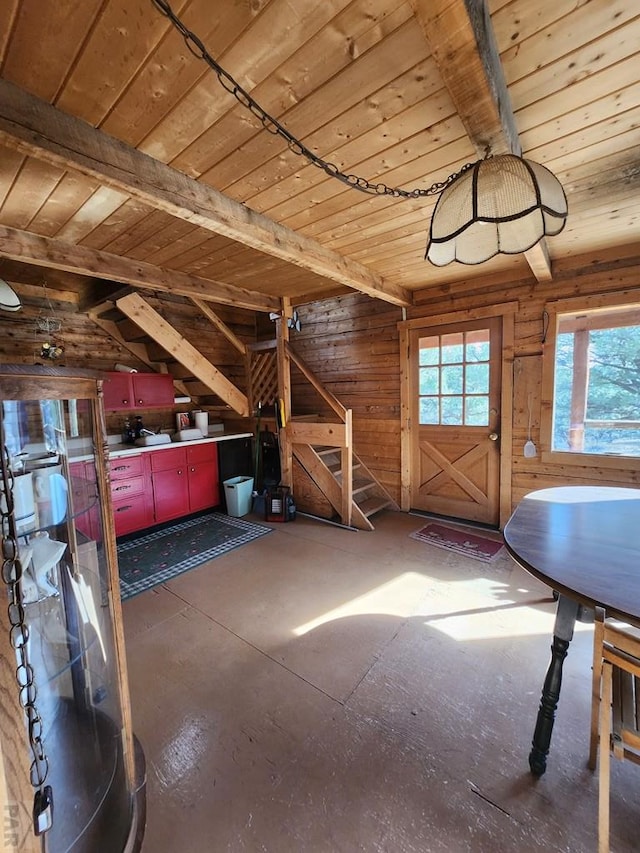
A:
453	378
596	382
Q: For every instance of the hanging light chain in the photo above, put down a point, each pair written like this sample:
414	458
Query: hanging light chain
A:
19	630
273	126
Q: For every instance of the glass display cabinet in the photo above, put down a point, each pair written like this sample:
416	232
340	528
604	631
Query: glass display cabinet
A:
71	771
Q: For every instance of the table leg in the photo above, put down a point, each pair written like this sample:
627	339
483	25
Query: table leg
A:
562	635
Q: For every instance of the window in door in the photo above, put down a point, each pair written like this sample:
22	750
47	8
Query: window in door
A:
596	382
454	378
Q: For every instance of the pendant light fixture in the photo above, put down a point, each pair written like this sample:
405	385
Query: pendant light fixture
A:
500	204
9	299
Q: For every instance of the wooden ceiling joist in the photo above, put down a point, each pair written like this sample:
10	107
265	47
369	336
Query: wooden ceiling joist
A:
462	42
34	127
220	325
56	254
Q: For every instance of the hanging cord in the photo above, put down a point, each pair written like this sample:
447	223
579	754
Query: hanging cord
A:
273	126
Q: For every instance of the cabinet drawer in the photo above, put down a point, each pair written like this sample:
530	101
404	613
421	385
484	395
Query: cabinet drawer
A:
202	453
130	515
121	489
127	466
166	460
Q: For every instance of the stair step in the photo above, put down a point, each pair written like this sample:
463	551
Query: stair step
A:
326	451
336	468
372	505
360	486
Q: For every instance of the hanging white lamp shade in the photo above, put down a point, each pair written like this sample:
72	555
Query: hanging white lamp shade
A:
9	300
501	204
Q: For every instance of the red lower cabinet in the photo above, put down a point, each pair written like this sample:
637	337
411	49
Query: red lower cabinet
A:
202	464
185	480
132	506
170	483
161	485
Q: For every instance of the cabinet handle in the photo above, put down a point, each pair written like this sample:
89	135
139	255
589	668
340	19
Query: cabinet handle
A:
192	470
140	402
123	508
125	402
122	468
121	488
180	471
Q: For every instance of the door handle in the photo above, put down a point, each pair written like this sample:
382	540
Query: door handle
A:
493	436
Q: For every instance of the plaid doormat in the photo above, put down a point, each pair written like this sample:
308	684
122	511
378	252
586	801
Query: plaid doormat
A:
153	558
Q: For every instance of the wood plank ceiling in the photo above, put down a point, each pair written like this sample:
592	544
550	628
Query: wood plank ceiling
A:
180	188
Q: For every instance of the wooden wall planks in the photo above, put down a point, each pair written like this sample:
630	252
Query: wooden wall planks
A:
336	341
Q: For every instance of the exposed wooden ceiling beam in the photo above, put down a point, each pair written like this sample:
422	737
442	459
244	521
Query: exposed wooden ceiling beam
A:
154	325
34	127
56	254
37	292
462	42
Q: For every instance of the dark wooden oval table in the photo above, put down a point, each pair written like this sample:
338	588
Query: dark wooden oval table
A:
584	542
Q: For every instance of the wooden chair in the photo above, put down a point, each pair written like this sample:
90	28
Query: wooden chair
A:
615	707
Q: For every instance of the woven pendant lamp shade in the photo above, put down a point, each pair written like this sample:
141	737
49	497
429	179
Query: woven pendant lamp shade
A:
502	204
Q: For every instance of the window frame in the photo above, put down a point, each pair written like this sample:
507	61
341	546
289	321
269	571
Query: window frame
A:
629	299
463	363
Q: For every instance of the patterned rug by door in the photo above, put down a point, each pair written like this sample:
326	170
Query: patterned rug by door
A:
153	558
461	541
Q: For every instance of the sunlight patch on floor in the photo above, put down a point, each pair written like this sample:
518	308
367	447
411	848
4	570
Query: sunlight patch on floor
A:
480	608
397	597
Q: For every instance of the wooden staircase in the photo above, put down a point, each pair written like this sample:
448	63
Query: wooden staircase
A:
369	496
325	451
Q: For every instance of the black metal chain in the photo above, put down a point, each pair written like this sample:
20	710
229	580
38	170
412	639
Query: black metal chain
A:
19	630
273	126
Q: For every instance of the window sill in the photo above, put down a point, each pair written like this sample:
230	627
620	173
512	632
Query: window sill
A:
590	460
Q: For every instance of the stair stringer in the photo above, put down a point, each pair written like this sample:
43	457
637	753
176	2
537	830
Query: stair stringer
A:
328	484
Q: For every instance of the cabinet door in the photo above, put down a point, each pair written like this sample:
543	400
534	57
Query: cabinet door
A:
152	390
118	391
170	493
204	490
203	486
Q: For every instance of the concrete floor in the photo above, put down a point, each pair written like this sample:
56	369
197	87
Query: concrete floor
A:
329	691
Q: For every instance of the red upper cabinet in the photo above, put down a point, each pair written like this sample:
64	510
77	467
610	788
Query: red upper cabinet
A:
137	391
118	391
152	390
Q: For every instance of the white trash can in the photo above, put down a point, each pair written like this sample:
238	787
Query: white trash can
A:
237	493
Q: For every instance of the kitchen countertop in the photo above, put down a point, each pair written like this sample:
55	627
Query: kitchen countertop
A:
116	451
79	450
